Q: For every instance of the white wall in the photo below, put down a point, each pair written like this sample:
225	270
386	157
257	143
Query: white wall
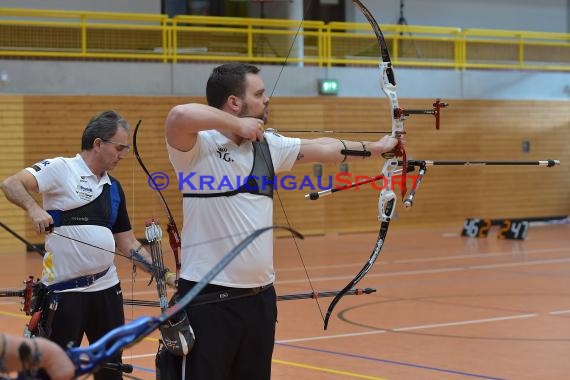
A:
124	78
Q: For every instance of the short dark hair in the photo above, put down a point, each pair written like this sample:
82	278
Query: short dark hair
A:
103	126
227	79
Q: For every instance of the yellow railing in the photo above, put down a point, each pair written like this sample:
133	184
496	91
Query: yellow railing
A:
352	43
247	39
124	36
92	35
505	49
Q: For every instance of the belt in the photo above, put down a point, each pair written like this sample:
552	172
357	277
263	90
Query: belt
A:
227	294
78	282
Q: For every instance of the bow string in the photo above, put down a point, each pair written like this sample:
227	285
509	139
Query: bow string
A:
171	228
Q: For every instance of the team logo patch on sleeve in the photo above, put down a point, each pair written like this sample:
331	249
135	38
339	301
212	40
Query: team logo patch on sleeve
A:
38	166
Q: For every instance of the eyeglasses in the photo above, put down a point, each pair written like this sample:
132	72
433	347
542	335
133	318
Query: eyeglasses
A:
120	147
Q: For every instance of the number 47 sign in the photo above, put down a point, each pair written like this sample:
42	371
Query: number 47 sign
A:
509	228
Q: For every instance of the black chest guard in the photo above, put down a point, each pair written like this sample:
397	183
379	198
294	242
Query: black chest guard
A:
259	182
101	211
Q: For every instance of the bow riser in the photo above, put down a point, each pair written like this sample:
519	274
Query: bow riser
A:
387	198
389	88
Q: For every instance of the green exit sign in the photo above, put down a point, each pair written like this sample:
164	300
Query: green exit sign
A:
328	87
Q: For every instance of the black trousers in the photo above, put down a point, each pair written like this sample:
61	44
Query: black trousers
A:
90	313
234	338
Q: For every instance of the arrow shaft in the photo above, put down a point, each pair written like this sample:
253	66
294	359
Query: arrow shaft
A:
547	163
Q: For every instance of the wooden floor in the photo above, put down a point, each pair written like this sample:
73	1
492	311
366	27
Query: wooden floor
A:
446	307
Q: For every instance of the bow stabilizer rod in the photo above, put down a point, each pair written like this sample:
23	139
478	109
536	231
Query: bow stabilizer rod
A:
300	296
283	297
411	164
423	164
547	163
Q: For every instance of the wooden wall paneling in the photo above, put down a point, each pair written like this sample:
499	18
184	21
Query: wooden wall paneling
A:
12	156
37	127
470	130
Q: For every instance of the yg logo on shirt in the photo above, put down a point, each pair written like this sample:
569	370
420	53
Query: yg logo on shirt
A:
223	154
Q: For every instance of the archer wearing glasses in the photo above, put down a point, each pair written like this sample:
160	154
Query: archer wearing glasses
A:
86	210
120	146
